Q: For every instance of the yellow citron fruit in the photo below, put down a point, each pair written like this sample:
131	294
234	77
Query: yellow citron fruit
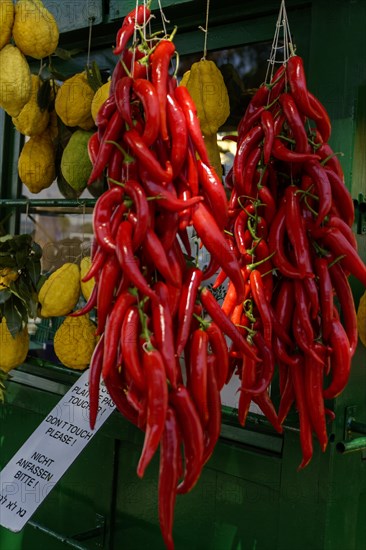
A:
73	102
15	80
74	342
35	30
206	85
86	288
31	121
99	98
60	293
7	276
13	350
361	319
36	163
6	21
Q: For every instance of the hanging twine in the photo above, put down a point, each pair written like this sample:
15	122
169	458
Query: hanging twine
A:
205	30
282	30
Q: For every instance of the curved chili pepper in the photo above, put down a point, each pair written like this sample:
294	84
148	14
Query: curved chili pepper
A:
112	330
267	366
157	405
341	197
163	332
137	16
139	148
192	433
95	372
128	262
108	279
247	377
296	230
301	336
191	283
214	241
111	134
339	223
297	81
198	372
281	152
90	304
93	147
345	298
251	165
265	404
260	300
220	350
340	360
156	252
326	295
129	342
330	160
119	398
102	217
338	244
287	396
276	245
268	204
159	63
268	130
105	114
313	383
186	102
247	122
147	94
218	316
214	191
248	144
321	119
213	427
122	93
320	178
306	440
178	134
295	123
169	469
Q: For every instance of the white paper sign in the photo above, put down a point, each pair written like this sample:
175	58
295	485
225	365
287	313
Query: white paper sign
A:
39	464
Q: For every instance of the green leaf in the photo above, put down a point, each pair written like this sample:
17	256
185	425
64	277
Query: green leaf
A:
13	316
44	95
66	55
4	296
94	77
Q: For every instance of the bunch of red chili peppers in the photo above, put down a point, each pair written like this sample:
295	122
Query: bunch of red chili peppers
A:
162	352
290	228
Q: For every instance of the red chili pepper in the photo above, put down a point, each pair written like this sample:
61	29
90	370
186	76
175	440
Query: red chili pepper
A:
122	93
326	296
90	304
137	16
155	250
322	119
119	398
341	197
268	130
340	360
313	382
302	307
287	395
103	210
268	204
178	134
186	102
129	343
218	316
296	230
281	152
265	404
301	336
336	221
191	283
215	242
213	427
111	134
248	144
147	94
295	123
345	298
128	262
306	440
247	122
338	244
214	191
169	469
95	372
266	369
139	148
297	81
277	247
193	440
219	349
163	332
260	300
105	114
323	187
157	405
198	372
93	147
160	61
109	276
112	330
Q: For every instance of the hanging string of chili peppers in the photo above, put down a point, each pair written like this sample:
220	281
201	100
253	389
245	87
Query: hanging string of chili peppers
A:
290	218
163	354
